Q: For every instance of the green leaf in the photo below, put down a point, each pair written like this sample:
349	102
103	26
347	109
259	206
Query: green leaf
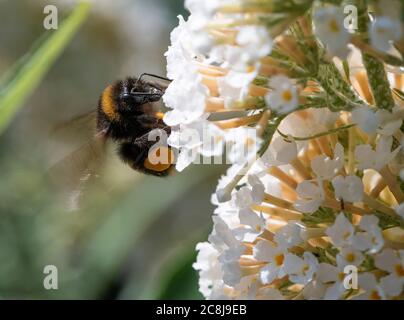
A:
378	81
114	239
183	280
28	73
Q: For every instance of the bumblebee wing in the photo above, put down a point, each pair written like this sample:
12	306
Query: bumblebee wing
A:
74	129
77	171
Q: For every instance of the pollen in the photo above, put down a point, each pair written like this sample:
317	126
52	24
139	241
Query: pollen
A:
249	143
279	259
334	26
375	295
350	257
287	95
399	270
160	159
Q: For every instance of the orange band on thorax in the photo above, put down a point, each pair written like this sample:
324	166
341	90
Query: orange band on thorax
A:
108	104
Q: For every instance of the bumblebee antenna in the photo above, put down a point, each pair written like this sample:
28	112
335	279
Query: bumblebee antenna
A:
153	76
149	75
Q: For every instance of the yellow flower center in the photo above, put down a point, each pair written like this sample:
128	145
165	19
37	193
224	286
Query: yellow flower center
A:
249	143
350	257
375	295
287	95
334	26
399	270
341	276
279	259
250	69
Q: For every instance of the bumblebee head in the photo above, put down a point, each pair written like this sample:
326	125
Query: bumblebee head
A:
139	92
129	96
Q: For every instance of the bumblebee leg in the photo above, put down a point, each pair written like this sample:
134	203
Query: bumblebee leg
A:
136	156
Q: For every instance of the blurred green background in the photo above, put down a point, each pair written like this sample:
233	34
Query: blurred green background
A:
133	236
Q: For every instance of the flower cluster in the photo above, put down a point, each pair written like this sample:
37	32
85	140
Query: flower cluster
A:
215	60
319	103
302	214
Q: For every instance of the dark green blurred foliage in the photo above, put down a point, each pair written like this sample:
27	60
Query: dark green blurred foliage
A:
133	236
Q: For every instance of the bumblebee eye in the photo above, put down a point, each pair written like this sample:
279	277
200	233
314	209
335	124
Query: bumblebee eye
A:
127	97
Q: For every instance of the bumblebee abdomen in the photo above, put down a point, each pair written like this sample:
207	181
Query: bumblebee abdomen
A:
138	158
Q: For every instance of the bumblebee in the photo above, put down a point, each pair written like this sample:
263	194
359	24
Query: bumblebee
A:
126	115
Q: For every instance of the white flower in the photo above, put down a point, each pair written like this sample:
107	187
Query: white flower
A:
280	152
389	123
274	256
283	98
289	235
391	261
300	270
243	198
400	210
201	14
197	138
210	274
270	294
384	30
350	256
186	96
365	118
252	43
314	290
255	41
326	168
253	225
311	196
179	53
370	239
230	249
372	289
235	86
330	29
333	275
341	232
258	188
376	159
349	189
213	140
245	145
230	267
